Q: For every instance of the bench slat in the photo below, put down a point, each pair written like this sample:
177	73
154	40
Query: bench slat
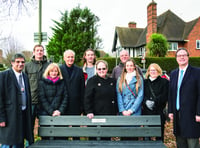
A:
99	131
100	120
97	144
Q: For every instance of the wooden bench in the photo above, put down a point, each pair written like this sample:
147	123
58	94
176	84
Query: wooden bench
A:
99	126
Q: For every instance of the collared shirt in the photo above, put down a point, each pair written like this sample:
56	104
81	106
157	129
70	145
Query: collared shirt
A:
17	74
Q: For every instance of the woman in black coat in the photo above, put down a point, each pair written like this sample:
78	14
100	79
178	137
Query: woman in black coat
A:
155	93
53	94
100	93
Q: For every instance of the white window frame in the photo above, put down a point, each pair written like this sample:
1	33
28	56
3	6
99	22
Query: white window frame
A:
173	46
197	44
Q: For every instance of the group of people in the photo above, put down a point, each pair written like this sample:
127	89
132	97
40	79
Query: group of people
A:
54	90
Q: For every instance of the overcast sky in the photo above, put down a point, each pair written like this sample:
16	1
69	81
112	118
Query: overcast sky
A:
112	13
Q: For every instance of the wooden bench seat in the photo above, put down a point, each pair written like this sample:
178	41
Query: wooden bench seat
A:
99	126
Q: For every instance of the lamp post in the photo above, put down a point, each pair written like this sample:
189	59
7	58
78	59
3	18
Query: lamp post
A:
40	23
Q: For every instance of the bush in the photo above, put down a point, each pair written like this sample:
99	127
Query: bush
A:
166	63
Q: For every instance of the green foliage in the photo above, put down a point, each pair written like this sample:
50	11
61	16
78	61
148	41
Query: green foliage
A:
76	31
157	45
166	63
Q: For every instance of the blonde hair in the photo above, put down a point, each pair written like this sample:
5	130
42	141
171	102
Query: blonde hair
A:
102	61
50	67
122	80
156	66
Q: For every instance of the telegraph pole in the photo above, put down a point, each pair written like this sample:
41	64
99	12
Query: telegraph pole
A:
40	23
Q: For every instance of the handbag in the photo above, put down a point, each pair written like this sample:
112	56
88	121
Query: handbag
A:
150	103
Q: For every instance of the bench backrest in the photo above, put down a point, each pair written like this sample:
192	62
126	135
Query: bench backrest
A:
100	126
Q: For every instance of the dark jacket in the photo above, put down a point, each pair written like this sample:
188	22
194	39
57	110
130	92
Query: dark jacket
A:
116	72
76	87
189	102
160	88
35	69
11	111
100	96
52	96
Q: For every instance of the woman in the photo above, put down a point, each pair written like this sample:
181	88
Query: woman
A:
100	93
130	90
52	92
155	93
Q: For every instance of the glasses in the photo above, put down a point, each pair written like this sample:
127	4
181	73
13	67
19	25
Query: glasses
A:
153	70
101	69
182	55
20	62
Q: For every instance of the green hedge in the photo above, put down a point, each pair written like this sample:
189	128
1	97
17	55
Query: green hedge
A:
166	63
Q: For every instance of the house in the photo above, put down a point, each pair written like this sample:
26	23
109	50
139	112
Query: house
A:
178	33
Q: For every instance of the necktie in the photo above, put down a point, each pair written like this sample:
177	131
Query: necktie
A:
22	92
178	90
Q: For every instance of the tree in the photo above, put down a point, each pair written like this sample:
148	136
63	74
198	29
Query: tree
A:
12	46
77	31
16	8
157	45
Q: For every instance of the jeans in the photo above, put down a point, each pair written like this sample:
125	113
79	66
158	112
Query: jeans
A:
13	146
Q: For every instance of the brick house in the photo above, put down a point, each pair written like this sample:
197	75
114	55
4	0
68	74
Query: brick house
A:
178	33
1	56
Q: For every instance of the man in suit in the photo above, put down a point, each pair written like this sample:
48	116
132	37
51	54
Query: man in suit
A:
184	101
74	78
15	105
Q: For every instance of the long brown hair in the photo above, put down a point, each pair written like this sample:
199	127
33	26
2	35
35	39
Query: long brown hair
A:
122	80
84	60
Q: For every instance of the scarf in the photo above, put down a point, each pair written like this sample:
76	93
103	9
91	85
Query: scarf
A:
129	76
54	80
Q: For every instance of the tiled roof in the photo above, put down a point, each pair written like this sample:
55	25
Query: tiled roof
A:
168	24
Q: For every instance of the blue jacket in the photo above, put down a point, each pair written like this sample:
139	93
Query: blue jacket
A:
127	101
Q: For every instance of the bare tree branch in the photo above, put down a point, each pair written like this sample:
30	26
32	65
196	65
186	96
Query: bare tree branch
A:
17	8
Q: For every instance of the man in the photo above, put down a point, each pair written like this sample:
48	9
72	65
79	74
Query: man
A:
124	56
184	101
75	82
35	69
89	59
15	105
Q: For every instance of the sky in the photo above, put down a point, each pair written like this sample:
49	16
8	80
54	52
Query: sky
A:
111	13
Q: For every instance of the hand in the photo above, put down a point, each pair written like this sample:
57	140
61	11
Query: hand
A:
2	124
126	113
90	115
171	116
197	118
56	113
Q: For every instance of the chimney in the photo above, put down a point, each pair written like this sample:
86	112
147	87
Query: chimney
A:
1	56
132	24
151	20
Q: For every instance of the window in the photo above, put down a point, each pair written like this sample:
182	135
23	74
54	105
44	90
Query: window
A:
173	46
197	44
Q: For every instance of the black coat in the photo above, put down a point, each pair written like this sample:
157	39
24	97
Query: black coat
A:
76	87
11	111
160	87
52	96
100	96
189	102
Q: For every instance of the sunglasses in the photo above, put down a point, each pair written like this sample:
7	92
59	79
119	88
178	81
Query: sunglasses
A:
101	69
